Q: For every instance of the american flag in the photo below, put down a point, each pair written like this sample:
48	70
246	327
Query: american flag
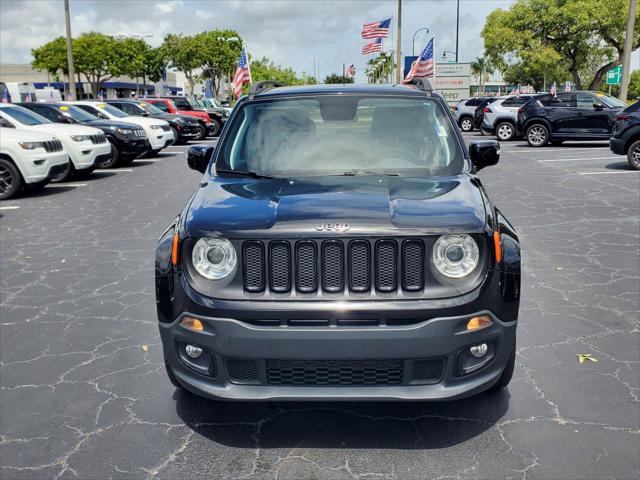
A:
101	96
424	65
554	89
243	73
375	46
5	96
376	29
350	71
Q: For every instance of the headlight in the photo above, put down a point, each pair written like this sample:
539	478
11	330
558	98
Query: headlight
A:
156	127
455	256
80	138
31	145
214	258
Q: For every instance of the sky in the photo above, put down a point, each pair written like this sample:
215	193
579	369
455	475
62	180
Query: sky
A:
290	32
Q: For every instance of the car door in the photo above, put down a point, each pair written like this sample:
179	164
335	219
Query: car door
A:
562	113
594	116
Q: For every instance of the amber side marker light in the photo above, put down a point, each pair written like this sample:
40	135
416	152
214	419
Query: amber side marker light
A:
497	246
174	249
192	324
476	323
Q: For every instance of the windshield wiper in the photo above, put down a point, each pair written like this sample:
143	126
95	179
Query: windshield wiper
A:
353	173
243	173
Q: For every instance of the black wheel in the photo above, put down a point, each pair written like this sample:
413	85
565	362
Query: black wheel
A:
505	131
633	155
203	132
507	373
10	179
176	135
171	375
65	174
537	135
114	160
215	128
466	124
556	142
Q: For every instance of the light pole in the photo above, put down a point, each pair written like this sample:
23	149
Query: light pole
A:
413	41
72	72
457	27
626	56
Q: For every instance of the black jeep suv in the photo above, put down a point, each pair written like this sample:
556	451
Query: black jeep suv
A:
339	246
579	115
184	127
128	141
625	139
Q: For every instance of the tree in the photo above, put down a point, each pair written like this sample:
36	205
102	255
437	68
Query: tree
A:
51	57
380	67
336	78
265	69
482	69
220	50
99	58
184	54
558	38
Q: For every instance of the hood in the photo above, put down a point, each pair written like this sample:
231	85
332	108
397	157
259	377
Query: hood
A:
144	121
104	124
24	135
194	113
56	129
370	205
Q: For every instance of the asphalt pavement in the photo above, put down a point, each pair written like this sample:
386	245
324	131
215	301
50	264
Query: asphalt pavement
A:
84	393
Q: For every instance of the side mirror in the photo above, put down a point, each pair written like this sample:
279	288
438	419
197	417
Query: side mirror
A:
484	153
198	157
145	114
597	106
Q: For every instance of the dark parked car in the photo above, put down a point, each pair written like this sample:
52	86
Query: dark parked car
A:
184	127
478	113
339	245
216	116
625	139
128	141
580	115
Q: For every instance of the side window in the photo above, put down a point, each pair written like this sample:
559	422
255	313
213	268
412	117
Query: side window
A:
47	113
89	109
128	108
162	106
4	123
564	100
515	102
587	101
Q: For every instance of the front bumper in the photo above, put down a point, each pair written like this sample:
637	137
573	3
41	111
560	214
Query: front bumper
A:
133	147
616	145
37	165
160	139
187	132
86	155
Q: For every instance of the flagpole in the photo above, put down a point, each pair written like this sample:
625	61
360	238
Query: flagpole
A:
246	51
434	62
399	44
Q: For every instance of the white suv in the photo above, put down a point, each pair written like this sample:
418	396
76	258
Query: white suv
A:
29	159
464	110
159	132
501	116
86	146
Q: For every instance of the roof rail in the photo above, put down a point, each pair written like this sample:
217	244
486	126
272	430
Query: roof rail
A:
263	86
419	83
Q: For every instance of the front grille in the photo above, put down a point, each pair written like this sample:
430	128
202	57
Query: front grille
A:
333	266
53	146
334	372
98	138
139	133
428	370
242	370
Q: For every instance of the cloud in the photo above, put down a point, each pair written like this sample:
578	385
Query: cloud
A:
290	32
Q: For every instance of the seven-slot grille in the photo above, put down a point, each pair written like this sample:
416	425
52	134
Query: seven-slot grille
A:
139	132
98	138
52	146
357	265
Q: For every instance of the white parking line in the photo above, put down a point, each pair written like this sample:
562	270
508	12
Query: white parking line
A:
579	159
544	150
115	170
154	160
66	185
10	207
609	173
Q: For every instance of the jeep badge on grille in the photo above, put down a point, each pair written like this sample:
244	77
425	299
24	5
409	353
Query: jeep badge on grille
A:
333	227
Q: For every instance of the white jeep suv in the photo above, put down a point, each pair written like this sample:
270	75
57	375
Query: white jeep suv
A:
159	132
86	146
28	159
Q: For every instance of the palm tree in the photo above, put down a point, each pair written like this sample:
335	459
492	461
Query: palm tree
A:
482	69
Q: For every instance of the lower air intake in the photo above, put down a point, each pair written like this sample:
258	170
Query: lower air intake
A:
334	372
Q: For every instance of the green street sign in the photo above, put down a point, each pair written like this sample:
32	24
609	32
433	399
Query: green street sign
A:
614	76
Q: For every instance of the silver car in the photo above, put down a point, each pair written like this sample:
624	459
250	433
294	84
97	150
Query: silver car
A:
464	111
500	117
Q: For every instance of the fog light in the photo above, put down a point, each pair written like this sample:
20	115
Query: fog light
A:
477	323
194	352
192	324
477	351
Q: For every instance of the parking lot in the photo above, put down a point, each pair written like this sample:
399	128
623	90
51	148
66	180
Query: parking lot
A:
85	394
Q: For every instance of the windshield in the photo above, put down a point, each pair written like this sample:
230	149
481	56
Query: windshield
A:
342	135
152	109
611	101
24	116
77	113
111	110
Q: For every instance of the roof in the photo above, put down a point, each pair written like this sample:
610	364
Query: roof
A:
339	88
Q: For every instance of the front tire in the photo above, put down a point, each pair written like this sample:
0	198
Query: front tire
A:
505	131
633	155
215	128
203	132
537	135
65	174
507	373
114	160
466	124
10	179
176	135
